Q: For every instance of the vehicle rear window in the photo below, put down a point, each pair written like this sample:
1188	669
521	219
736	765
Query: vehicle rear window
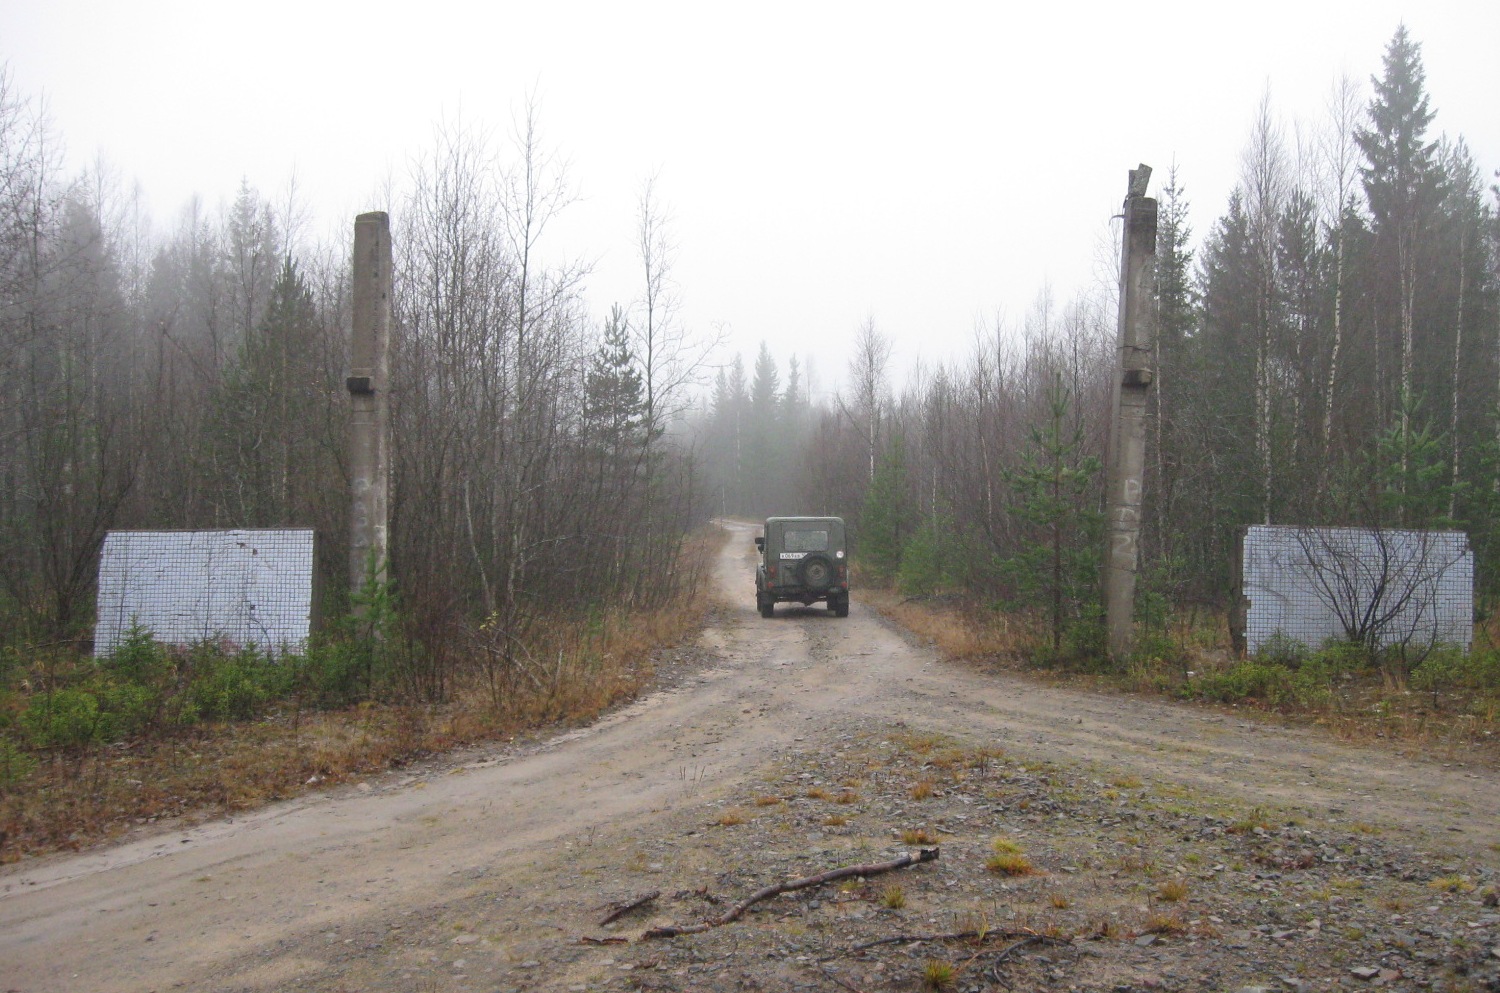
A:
805	541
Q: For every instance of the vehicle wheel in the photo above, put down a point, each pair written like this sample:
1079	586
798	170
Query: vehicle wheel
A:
816	572
839	606
767	608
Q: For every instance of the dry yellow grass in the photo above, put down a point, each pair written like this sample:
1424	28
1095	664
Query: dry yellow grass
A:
1160	923
1172	891
576	671
1452	884
981	758
1363	710
919	743
956	633
919	836
1010	864
938	974
950	758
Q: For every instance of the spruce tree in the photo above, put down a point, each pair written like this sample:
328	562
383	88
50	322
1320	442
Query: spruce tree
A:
613	399
1402	187
1219	411
767	464
1057	566
1176	321
1410	473
884	522
1399	173
261	446
730	410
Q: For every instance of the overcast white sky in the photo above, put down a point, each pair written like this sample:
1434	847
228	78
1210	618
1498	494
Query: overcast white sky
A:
822	162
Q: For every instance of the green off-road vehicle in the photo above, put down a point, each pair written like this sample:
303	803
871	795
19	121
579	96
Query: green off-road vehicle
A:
802	560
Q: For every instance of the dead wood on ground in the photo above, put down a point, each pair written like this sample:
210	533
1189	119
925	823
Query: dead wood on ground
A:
623	907
832	875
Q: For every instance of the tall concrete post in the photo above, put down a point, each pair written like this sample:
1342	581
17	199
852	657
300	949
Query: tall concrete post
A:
369	374
1127	462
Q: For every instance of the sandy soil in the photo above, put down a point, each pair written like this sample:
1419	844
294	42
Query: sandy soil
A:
495	859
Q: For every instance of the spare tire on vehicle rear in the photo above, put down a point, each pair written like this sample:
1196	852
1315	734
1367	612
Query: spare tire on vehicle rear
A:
816	572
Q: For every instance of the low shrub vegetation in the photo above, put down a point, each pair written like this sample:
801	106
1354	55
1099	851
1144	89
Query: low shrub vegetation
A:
1426	693
90	747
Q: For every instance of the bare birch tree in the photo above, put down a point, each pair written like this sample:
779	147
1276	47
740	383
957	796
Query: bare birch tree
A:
1263	177
869	398
1338	194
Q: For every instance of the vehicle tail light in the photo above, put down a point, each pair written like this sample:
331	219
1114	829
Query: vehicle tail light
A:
771	571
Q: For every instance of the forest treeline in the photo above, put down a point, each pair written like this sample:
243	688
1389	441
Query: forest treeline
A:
1328	353
194	378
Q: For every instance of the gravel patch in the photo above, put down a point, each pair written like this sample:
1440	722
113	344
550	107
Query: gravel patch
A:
1131	886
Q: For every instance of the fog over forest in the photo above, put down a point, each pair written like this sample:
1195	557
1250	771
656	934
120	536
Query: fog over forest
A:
1328	352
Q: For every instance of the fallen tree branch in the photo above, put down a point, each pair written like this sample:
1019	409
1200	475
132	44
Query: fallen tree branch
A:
1010	950
619	910
738	910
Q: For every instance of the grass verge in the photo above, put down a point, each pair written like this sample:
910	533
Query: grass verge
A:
1448	703
66	791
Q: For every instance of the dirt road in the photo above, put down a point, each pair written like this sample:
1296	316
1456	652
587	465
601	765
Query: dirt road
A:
486	860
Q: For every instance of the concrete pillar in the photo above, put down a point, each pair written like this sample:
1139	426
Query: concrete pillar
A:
369	373
1127	463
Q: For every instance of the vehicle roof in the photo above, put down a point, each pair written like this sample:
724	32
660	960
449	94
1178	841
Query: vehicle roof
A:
780	520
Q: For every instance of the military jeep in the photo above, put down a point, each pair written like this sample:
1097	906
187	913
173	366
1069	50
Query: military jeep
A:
802	560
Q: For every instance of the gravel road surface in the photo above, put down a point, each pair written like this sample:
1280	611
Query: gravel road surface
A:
490	870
